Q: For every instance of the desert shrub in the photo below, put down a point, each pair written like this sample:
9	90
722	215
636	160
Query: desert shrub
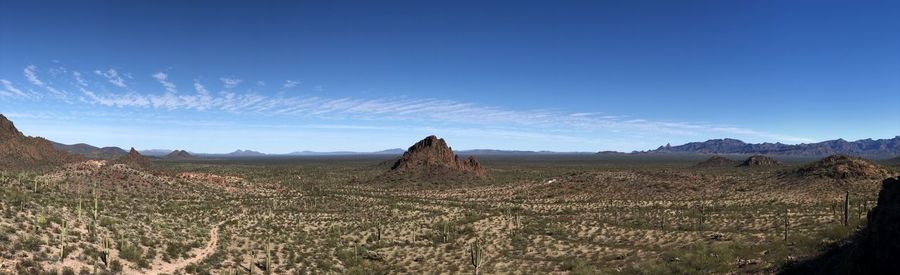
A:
116	266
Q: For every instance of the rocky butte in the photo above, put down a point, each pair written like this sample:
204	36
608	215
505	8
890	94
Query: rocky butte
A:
431	158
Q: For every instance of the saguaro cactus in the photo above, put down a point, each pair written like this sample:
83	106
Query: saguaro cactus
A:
95	206
701	217
476	255
62	242
268	259
80	211
105	255
847	208
786	224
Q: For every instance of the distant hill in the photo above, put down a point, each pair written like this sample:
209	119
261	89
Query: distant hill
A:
19	151
179	155
494	152
156	152
841	167
881	148
245	153
90	151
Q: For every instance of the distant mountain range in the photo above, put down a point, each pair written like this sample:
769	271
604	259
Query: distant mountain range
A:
881	148
90	151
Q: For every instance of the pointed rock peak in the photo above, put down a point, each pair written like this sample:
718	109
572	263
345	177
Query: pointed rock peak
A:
433	156
133	158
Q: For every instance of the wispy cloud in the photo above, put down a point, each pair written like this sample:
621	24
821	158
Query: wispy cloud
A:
290	84
230	82
113	76
424	111
10	90
78	79
31	74
163	79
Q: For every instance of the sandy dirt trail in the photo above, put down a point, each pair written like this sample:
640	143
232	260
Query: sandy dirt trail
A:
211	247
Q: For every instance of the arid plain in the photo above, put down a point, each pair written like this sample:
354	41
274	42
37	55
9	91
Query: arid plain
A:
428	211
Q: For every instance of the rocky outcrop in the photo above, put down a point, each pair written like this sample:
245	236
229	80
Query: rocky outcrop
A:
134	159
717	161
18	151
759	161
842	167
432	159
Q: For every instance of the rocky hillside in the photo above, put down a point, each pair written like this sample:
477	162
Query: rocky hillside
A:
18	151
91	152
759	161
431	159
842	167
882	148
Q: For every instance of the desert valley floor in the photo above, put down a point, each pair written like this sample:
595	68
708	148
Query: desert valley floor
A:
578	214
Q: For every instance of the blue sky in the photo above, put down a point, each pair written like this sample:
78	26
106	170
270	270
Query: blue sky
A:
281	76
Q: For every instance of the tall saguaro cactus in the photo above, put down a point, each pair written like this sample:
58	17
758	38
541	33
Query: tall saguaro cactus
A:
476	255
847	208
786	224
62	242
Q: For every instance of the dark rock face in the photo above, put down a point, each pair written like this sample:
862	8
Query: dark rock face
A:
843	167
878	248
717	161
432	156
18	151
757	160
873	250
